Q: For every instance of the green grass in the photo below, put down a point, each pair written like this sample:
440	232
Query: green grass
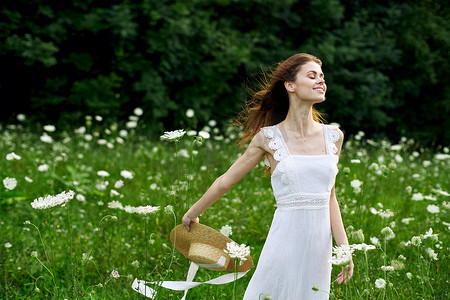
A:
390	179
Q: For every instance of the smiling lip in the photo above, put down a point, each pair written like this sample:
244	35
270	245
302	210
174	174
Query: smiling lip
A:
320	89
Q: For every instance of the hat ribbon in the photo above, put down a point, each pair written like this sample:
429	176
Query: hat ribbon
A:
141	287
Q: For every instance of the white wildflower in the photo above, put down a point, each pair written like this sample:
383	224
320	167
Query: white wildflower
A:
226	230
114	193
80	197
415	240
131	124
118	184
388	233
10	183
12	156
168	209
28	179
417	197
141	210
123	133
407	220
52	201
387	268
434	209
138	111
49	128
429	234
362	247
380	283
102	173
115	274
190	113
432	254
126	174
356	183
46	138
441	192
374	240
135	264
355	161
342	255
212	123
86	257
397	265
21	117
8	245
398	158
204	134
237	252
396	147
43	168
409	275
173	136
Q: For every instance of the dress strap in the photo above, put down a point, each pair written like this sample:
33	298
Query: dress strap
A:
331	137
276	143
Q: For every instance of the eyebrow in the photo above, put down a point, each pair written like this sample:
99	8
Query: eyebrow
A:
321	74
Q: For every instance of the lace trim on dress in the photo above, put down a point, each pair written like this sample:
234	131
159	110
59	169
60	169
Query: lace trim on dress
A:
276	143
304	201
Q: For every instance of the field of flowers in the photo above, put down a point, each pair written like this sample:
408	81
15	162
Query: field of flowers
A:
124	192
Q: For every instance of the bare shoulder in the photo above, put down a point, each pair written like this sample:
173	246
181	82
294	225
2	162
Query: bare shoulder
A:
259	142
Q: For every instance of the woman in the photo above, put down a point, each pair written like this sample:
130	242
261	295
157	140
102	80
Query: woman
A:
302	155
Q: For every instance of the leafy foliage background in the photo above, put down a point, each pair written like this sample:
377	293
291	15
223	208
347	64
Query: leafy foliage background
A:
386	62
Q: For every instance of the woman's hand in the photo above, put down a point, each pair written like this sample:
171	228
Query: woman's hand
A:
346	274
187	220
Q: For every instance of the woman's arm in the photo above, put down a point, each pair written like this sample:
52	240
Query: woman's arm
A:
251	157
337	226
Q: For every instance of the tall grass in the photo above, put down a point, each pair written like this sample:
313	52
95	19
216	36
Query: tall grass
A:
402	186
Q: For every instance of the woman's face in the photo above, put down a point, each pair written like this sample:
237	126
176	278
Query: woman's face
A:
309	84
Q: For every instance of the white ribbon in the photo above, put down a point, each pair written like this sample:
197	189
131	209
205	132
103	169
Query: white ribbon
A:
140	286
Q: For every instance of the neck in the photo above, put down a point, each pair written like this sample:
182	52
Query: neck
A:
299	118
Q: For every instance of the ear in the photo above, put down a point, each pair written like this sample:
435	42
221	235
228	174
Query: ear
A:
290	87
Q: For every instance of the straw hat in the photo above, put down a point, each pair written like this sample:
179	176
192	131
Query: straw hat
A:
204	245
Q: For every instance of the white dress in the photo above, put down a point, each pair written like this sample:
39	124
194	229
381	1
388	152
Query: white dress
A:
296	254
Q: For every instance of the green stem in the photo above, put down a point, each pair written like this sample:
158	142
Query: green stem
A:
235	278
71	253
42	241
367	271
54	282
174	242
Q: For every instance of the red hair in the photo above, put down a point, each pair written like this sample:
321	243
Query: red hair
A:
270	105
